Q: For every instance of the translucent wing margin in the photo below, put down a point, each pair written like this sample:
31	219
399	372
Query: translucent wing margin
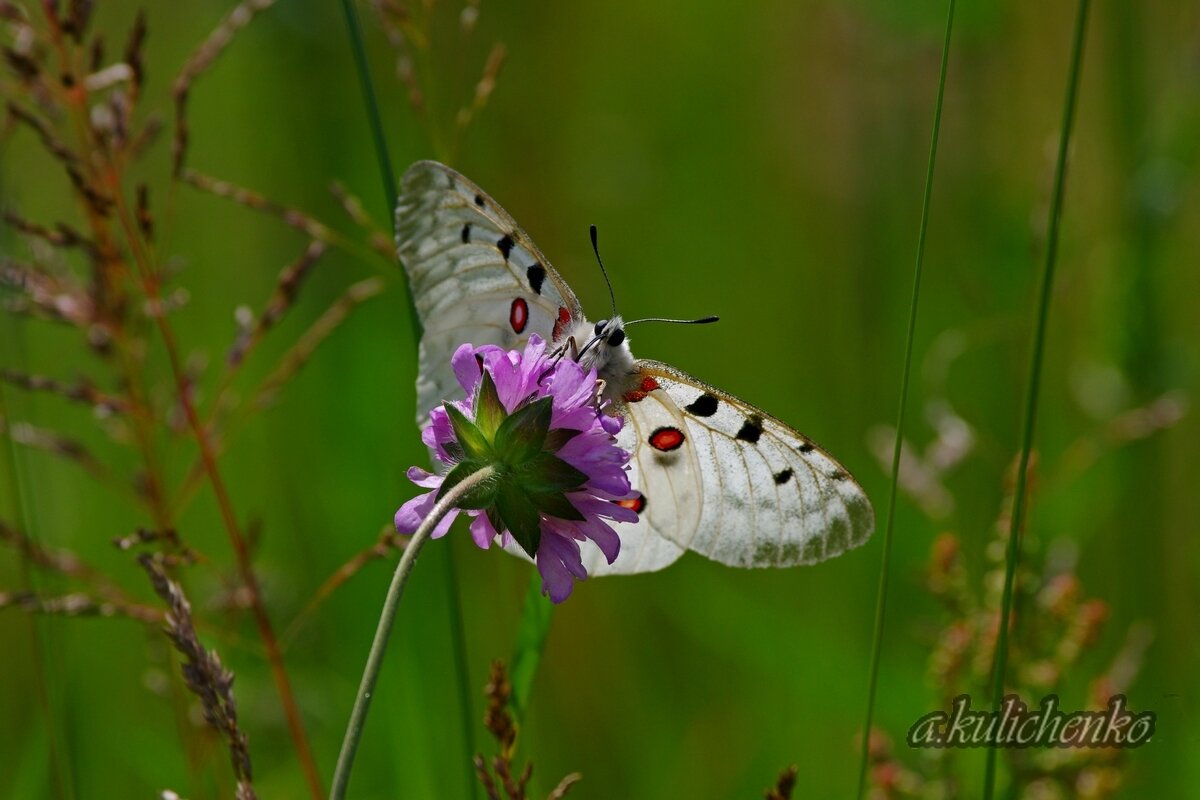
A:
763	494
475	275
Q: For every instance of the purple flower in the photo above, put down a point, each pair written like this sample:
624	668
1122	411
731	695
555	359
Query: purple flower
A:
537	421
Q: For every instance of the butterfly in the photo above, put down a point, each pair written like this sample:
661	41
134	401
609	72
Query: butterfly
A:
713	474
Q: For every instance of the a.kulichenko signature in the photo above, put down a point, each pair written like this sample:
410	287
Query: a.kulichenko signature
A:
1016	725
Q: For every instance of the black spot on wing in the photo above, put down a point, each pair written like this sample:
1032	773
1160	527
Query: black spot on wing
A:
537	275
839	475
506	245
703	406
751	429
466	233
807	447
479	200
783	477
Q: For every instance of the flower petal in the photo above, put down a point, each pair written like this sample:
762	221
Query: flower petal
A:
482	531
592	527
558	562
611	424
605	537
443	526
466	368
410	515
592	506
426	480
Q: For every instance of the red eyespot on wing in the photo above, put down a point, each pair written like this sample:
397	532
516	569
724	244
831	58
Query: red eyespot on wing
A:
560	325
666	439
518	315
647	386
635	504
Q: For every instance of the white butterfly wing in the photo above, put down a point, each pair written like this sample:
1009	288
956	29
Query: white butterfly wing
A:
475	276
741	487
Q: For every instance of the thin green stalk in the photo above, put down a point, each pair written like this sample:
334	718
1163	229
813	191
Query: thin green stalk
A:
889	526
531	641
1035	379
366	689
378	137
390	192
368	89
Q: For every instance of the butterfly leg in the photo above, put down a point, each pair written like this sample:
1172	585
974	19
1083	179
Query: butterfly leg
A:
559	353
558	356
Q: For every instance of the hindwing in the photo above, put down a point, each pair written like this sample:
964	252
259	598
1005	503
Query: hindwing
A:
757	493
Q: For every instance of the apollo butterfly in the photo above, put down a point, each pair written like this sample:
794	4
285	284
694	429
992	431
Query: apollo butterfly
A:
713	473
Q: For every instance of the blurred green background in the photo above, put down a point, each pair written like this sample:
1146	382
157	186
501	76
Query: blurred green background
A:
759	161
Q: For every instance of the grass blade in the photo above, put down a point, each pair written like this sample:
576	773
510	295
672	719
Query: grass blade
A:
531	641
1035	379
379	138
387	174
885	568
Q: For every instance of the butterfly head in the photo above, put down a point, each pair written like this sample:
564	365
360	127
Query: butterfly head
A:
610	331
605	348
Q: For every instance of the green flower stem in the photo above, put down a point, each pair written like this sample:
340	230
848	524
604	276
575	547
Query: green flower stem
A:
366	689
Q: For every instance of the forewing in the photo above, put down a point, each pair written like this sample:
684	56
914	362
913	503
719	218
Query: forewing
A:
475	276
757	493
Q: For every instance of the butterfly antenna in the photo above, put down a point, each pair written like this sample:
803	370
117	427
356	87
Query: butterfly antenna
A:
596	249
701	321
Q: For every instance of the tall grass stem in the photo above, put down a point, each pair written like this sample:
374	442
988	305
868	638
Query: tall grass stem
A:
379	138
889	525
1035	379
374	118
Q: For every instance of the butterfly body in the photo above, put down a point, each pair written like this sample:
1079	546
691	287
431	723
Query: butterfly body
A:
712	473
608	353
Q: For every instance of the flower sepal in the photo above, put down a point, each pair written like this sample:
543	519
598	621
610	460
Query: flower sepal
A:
530	480
480	497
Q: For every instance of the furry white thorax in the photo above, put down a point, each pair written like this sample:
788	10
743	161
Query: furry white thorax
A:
613	363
